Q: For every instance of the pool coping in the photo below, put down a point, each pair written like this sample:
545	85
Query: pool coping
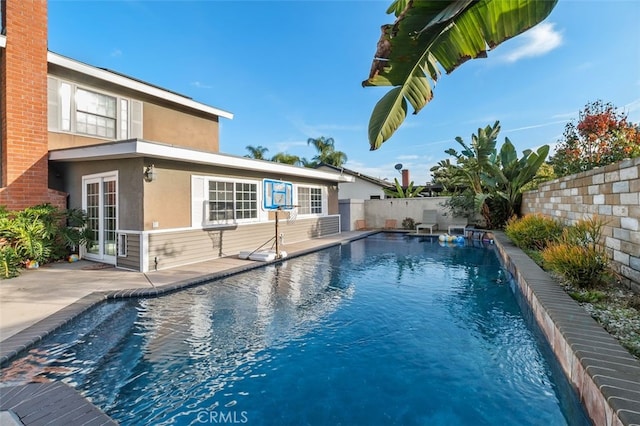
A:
604	375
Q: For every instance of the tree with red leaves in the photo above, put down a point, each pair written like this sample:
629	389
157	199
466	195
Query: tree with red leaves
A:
602	136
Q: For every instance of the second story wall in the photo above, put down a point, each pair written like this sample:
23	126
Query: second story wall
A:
163	124
84	111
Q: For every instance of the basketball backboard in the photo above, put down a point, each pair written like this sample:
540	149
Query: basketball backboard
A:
277	194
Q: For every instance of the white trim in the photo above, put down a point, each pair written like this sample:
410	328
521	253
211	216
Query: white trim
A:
129	83
101	177
324	197
141	148
3	41
144	251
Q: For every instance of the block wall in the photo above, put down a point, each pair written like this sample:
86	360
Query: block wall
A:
613	194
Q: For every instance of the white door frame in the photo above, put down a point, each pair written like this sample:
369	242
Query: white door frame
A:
104	249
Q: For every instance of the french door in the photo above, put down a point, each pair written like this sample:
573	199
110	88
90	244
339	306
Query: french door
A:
100	201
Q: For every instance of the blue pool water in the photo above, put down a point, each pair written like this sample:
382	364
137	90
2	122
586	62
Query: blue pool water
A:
387	330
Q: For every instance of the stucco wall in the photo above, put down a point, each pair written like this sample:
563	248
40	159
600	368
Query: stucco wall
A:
378	211
360	189
611	193
69	176
178	128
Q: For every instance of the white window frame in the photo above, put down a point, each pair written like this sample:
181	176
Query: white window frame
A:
323	200
200	201
110	123
63	109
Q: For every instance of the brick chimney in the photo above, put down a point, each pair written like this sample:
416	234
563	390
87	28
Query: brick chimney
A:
405	178
23	106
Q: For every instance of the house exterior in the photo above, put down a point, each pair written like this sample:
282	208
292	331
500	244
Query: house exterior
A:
142	161
362	187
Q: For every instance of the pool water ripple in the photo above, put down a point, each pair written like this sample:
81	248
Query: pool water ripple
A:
385	330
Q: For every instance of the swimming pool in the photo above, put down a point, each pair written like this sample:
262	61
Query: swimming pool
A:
385	330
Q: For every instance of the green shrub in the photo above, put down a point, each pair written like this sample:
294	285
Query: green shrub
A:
40	233
533	231
408	223
581	266
588	296
585	232
9	262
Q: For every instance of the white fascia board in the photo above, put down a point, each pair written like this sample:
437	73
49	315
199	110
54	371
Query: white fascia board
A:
120	80
140	148
3	41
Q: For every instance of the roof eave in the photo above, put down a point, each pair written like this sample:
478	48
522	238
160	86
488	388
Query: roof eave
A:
133	148
101	74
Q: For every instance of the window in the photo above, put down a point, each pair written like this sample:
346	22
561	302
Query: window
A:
231	201
90	112
95	114
309	200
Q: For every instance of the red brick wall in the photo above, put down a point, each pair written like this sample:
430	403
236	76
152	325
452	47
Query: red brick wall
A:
23	105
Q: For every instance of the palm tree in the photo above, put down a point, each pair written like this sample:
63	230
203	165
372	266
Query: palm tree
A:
429	35
327	153
283	157
256	152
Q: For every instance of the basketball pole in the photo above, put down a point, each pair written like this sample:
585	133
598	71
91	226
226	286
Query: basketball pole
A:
278	256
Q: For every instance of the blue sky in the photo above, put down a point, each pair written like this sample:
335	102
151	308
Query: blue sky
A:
292	70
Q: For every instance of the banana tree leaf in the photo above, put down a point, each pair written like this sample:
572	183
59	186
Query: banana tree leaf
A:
437	33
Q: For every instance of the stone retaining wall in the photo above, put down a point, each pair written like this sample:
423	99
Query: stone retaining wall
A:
611	193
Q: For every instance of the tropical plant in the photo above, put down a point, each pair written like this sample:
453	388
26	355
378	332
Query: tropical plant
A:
602	136
474	159
40	234
429	34
494	179
462	204
9	260
327	154
256	152
283	157
399	192
507	176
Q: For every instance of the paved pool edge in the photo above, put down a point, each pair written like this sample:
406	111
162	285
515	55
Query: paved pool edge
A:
604	375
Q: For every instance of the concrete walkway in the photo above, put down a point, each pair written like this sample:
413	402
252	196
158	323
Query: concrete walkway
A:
39	294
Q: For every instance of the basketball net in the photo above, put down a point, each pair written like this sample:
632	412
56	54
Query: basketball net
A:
293	214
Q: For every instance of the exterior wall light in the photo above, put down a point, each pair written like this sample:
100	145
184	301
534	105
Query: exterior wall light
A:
149	173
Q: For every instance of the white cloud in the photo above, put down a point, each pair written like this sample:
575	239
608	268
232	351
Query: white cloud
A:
317	130
535	126
286	146
537	41
201	85
566	115
633	110
116	53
